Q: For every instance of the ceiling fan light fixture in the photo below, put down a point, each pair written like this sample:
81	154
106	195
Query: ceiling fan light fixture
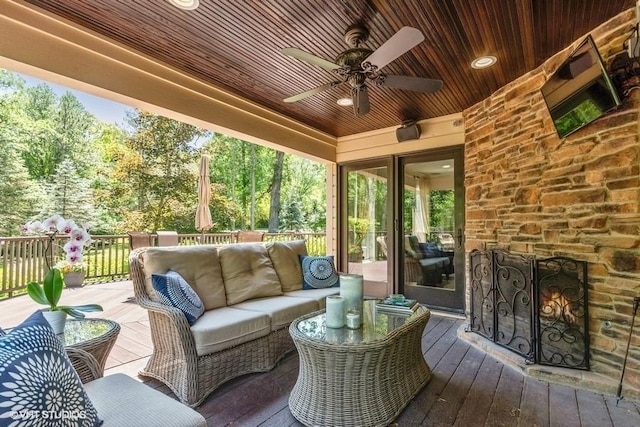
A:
185	4
483	62
345	102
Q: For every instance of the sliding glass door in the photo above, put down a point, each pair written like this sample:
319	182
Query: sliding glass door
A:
401	222
431	258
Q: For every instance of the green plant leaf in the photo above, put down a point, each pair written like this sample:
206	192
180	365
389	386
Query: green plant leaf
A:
88	307
53	285
76	311
71	311
36	293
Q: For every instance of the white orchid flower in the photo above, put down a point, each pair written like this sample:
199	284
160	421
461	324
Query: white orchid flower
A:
81	236
74	257
72	247
36	227
66	227
51	223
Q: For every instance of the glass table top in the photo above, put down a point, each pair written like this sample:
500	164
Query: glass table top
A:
376	325
77	331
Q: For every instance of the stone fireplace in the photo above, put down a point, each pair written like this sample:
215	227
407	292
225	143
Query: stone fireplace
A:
537	308
531	193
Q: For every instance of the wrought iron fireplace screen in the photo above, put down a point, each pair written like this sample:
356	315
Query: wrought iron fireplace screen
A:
536	308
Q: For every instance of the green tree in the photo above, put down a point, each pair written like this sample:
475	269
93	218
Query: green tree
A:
59	129
442	210
71	196
292	218
159	167
305	180
76	131
19	195
110	191
244	171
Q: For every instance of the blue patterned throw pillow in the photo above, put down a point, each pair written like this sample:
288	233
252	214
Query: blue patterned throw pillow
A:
318	272
173	290
38	385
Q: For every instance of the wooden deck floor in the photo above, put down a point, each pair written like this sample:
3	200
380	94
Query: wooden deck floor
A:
468	387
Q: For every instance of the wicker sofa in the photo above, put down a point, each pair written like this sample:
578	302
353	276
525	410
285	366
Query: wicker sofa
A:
251	293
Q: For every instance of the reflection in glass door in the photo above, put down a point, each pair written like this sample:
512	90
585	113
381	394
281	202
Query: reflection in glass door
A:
432	212
364	232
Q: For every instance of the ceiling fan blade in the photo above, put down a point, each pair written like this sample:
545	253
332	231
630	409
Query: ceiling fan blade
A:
310	58
360	97
416	84
401	42
311	92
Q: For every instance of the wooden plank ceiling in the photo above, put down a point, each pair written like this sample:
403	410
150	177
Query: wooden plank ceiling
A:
236	45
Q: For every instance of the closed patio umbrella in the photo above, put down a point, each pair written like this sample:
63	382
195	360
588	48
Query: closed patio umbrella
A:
203	214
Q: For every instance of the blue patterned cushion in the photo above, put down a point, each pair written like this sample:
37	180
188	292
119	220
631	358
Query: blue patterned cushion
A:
173	290
430	250
318	272
38	385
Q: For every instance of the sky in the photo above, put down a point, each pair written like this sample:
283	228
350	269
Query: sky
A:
105	110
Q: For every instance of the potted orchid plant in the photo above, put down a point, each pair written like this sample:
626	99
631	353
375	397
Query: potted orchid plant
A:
49	292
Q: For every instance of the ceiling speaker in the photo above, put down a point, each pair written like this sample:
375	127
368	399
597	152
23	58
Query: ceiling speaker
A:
409	130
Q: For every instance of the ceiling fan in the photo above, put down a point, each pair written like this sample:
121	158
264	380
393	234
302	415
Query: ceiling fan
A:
357	65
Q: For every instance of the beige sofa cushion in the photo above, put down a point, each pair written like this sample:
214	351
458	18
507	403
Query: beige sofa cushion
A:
227	327
286	260
248	272
318	295
282	310
198	265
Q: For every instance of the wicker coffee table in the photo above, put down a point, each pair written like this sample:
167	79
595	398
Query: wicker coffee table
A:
362	377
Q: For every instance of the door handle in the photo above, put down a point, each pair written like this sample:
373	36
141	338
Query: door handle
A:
459	236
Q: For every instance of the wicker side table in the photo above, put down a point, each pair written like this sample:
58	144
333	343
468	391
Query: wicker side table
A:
88	343
361	377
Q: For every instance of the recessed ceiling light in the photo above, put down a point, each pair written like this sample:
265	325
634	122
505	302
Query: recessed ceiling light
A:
345	102
483	62
446	166
185	4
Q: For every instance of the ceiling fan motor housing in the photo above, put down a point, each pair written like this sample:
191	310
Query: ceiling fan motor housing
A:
356	34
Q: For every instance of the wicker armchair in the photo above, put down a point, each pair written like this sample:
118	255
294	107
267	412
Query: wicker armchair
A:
119	398
175	361
412	270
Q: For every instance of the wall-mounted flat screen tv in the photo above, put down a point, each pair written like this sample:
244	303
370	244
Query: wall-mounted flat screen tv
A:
580	91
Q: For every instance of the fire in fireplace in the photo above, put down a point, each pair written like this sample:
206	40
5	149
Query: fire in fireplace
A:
556	306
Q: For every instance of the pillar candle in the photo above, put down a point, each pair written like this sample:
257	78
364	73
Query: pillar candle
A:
335	311
351	288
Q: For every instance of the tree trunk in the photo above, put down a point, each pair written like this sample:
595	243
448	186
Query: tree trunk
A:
252	212
274	210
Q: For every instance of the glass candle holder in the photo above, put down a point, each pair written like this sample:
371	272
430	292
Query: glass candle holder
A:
353	319
351	288
335	311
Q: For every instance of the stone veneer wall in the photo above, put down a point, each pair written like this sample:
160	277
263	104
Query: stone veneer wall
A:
527	191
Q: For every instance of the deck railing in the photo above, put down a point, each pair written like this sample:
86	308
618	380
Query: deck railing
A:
23	259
